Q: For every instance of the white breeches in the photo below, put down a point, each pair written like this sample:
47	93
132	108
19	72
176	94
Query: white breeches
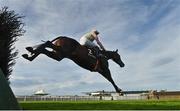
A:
86	42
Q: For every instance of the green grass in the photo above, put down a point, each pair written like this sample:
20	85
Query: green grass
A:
103	105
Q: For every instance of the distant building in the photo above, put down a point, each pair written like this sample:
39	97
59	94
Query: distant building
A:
99	93
163	94
40	93
112	93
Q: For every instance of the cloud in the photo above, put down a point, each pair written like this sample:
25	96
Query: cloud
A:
156	64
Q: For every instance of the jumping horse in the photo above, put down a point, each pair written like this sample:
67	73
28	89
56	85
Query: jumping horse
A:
66	47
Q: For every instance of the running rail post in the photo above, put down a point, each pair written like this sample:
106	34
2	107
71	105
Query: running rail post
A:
7	99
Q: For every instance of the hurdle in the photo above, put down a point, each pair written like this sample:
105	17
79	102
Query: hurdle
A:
7	99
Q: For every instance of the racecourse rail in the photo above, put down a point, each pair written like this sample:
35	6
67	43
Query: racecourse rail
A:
78	98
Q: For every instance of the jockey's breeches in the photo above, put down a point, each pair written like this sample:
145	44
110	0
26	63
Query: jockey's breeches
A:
86	42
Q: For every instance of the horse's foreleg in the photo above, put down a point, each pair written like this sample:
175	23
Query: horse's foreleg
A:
106	73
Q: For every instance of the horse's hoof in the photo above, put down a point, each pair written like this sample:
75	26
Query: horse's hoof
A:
30	49
121	94
26	57
119	90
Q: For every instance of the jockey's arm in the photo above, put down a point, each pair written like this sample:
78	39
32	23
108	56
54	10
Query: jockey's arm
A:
99	43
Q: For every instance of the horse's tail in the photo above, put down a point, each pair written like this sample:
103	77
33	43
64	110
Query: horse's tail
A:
52	40
55	39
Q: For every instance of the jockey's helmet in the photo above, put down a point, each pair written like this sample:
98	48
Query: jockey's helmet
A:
95	31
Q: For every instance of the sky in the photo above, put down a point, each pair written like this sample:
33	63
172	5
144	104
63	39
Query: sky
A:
146	32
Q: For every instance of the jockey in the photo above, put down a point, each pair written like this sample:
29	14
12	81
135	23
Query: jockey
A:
88	38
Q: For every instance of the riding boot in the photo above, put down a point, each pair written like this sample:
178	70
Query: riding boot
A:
96	51
98	57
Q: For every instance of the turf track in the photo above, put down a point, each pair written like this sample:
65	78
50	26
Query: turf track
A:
103	105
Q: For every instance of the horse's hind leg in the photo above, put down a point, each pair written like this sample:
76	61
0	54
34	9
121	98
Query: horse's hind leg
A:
34	52
30	58
106	73
52	54
36	48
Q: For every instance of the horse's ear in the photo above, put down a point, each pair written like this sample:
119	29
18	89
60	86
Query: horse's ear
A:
116	50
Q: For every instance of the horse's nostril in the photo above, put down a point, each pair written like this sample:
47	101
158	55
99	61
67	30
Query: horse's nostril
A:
122	65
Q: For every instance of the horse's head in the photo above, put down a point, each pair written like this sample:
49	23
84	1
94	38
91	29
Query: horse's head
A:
117	58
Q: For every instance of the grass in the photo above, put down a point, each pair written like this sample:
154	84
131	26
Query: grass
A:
103	105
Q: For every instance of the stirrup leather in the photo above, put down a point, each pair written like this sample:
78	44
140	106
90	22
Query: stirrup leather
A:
97	65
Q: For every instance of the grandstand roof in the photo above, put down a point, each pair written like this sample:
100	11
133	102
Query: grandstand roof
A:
40	92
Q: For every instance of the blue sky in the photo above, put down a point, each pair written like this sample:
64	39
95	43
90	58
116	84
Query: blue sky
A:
146	32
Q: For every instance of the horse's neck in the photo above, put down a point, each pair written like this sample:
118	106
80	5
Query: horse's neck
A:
108	54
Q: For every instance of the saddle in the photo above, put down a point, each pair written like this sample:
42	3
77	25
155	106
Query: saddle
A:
96	53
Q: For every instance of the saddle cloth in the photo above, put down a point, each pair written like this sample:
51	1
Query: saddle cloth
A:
92	52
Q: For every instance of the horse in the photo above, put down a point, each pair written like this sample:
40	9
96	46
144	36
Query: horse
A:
66	47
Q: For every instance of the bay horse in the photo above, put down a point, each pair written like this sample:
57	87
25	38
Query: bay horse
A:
66	47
